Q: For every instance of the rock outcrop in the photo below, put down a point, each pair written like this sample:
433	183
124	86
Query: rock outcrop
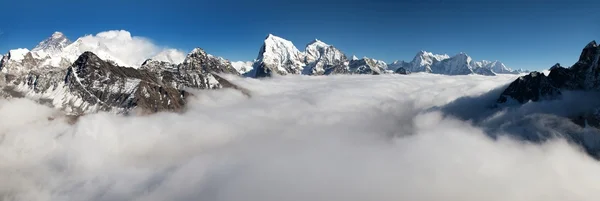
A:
583	75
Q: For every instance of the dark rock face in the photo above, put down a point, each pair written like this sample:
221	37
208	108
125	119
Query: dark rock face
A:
337	69
534	87
109	87
402	71
3	61
365	66
583	75
200	61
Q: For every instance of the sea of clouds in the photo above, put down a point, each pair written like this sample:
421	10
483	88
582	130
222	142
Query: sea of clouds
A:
298	138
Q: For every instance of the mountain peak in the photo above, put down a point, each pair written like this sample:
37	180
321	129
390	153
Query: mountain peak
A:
88	57
273	37
354	58
422	53
462	54
197	51
57	35
52	45
317	43
591	44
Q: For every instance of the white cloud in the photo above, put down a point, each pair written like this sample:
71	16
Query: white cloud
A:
298	138
123	48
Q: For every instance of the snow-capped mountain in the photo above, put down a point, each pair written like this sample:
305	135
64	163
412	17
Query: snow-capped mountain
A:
242	67
323	59
424	61
117	46
394	66
51	46
92	83
367	66
460	64
278	56
497	67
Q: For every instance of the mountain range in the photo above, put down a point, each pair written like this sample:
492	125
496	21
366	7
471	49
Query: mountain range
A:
278	56
95	73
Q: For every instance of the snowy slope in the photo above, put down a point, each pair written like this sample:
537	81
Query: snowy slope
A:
17	55
500	68
423	61
53	45
321	58
242	66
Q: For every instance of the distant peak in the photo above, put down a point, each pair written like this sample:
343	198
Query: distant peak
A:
318	43
57	34
462	54
354	58
423	53
197	51
557	65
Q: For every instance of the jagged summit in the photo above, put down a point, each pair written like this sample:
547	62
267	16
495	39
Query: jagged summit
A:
581	76
592	44
197	51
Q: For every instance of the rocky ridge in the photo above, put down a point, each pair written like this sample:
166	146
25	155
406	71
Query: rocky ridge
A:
582	76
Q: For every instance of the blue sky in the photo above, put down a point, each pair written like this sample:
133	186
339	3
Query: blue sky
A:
532	34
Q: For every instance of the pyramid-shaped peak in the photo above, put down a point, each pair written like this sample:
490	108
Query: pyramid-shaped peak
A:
87	57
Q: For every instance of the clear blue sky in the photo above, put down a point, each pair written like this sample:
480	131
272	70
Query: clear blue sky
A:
532	34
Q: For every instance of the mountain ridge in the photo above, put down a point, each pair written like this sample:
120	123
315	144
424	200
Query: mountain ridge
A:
277	56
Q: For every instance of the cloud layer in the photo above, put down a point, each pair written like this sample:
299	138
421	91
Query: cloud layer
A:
331	138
